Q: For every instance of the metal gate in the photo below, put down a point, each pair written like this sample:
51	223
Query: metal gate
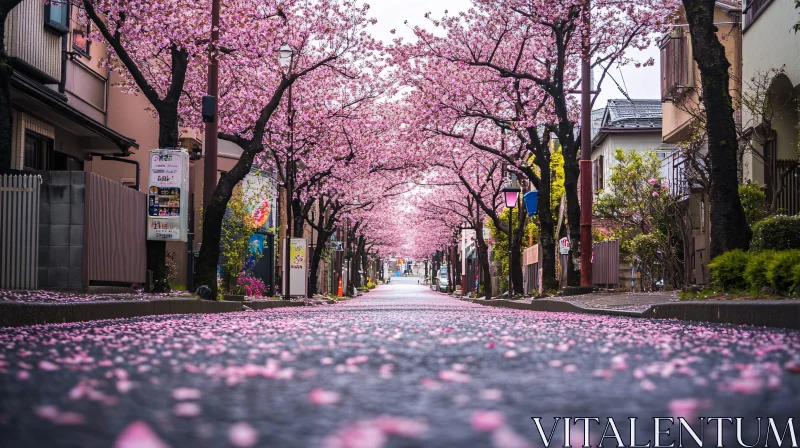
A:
789	197
605	263
19	231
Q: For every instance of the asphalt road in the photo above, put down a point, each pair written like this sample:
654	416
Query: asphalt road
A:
401	366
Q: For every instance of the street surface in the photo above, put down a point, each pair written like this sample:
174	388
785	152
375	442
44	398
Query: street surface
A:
401	366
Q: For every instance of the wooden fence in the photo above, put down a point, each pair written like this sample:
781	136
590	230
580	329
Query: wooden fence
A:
19	231
116	219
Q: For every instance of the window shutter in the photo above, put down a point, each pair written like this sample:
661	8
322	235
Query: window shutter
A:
685	59
666	68
601	180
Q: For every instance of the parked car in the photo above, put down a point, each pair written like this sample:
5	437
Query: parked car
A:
442	282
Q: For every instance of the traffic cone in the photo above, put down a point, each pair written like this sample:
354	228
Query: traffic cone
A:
339	291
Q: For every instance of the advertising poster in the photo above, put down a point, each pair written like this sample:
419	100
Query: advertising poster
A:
258	193
167	195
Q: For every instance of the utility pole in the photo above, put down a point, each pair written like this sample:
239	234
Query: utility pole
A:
212	126
287	267
586	153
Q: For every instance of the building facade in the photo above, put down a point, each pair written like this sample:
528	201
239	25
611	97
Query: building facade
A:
682	124
630	125
770	47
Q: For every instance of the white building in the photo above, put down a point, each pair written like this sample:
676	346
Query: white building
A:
630	125
769	43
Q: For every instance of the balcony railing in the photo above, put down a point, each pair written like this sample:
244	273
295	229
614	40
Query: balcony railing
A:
753	9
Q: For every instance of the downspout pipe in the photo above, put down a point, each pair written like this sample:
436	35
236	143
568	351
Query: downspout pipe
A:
132	162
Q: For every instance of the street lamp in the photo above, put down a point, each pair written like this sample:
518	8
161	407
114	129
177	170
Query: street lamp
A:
285	61
511	194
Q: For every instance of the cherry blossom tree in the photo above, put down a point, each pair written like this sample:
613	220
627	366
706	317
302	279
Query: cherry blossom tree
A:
160	48
537	46
325	36
728	220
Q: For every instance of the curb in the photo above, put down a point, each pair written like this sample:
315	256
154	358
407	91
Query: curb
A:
266	305
773	313
15	314
553	306
777	314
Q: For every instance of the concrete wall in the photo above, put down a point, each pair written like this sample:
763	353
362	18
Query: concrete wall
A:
61	230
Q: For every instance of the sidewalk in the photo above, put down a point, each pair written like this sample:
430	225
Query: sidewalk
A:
628	301
21	308
760	313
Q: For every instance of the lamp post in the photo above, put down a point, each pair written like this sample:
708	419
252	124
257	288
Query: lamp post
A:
285	61
511	194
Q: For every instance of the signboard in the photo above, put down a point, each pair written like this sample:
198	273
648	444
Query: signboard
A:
168	195
565	246
258	193
298	267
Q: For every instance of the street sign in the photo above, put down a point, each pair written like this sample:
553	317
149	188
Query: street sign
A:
565	246
168	195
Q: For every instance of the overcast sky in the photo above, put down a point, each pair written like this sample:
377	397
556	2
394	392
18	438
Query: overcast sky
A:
640	83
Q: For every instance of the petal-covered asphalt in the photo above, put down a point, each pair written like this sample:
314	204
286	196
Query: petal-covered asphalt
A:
401	366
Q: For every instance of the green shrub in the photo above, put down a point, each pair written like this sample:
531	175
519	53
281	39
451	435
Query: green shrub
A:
754	202
796	279
780	270
727	270
756	271
371	285
777	233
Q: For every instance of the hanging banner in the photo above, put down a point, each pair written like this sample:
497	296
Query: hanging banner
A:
258	195
298	267
168	195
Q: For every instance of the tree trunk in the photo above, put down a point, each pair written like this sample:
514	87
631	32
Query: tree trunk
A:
206	269
298	219
316	258
728	223
157	250
483	261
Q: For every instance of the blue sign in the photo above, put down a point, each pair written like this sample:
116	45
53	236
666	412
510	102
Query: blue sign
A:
531	200
256	248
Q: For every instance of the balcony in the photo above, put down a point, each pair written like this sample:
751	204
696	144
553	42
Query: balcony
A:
753	10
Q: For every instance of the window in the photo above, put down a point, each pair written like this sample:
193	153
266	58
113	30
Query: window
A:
56	16
80	37
597	174
37	152
40	156
753	9
676	64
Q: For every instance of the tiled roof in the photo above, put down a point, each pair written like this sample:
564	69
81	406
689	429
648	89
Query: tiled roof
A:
731	3
632	114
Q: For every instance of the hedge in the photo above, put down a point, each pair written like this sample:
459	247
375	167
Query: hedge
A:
776	233
777	271
780	270
756	271
727	270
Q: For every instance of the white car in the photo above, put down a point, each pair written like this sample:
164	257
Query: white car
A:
442	284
